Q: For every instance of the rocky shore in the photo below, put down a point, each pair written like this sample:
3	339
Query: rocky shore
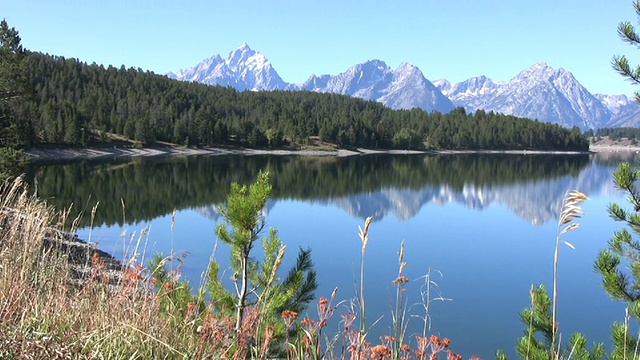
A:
53	154
613	148
81	256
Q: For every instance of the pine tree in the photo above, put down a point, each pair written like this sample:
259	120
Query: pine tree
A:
539	343
13	82
620	63
13	87
12	162
623	251
257	284
619	264
12	71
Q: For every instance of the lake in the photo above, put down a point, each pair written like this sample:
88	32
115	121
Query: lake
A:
484	224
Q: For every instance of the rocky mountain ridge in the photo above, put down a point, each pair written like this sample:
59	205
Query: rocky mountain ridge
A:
539	92
243	69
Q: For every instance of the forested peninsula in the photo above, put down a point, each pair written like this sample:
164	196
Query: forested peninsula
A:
69	102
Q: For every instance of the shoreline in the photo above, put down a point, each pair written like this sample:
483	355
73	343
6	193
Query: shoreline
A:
90	153
613	148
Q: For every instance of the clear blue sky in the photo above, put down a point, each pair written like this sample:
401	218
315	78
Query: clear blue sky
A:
450	39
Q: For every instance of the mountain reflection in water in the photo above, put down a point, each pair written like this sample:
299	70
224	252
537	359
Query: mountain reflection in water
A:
373	185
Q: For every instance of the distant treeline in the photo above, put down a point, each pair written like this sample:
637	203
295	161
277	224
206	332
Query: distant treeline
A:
616	133
74	103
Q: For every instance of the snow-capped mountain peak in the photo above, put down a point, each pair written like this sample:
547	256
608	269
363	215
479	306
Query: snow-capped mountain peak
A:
443	85
403	88
624	110
538	92
613	102
243	69
475	86
536	71
405	70
244	56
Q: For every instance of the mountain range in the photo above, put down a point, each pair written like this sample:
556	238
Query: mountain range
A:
539	92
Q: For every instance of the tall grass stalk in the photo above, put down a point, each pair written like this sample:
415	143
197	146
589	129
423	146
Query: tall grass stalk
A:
426	298
364	238
570	211
399	313
124	221
173	227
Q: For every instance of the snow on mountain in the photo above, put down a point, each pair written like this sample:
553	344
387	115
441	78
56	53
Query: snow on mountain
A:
539	92
243	69
472	93
361	81
624	111
442	84
410	89
403	88
615	103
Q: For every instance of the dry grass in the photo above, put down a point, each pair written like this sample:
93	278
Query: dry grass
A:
44	316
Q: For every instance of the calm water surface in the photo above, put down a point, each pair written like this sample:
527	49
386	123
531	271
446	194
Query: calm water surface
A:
484	224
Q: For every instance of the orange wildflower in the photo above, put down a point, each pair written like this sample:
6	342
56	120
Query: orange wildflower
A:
289	317
307	322
435	340
288	314
389	338
380	352
323	304
400	280
453	356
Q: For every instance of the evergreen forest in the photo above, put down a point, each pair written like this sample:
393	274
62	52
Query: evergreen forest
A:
69	102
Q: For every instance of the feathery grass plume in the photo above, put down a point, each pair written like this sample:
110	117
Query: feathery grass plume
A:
570	211
364	238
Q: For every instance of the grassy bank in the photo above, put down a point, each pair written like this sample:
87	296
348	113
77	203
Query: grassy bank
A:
46	313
